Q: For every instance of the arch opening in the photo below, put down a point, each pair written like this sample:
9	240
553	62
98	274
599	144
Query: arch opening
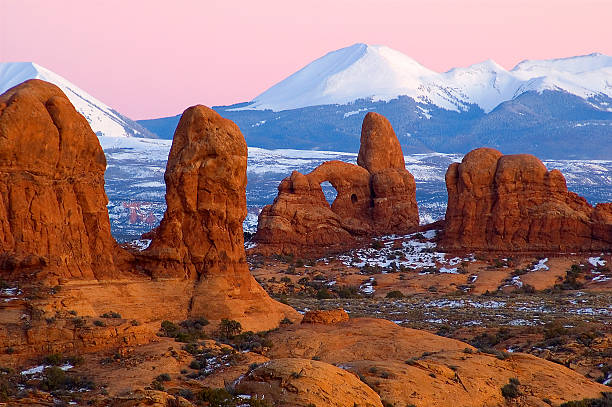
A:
329	191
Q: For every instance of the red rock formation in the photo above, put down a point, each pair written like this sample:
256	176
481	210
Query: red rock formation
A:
54	225
201	231
513	203
200	237
375	197
53	217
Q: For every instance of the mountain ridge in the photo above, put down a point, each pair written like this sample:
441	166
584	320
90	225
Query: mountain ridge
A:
103	120
382	73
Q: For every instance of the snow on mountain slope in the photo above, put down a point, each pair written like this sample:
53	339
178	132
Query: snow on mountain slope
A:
584	76
381	73
102	119
486	84
358	71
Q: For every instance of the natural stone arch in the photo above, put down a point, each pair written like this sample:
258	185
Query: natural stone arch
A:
348	180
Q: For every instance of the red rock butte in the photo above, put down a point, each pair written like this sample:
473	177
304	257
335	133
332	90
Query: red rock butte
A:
375	197
200	237
502	202
55	229
53	218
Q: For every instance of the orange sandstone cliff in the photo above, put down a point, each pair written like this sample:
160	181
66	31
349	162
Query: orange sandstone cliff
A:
375	197
513	203
53	218
55	240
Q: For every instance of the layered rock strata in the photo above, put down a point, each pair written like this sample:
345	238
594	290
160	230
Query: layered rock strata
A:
375	197
502	202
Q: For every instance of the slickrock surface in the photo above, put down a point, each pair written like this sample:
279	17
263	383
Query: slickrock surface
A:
325	317
408	366
375	197
513	203
53	218
302	382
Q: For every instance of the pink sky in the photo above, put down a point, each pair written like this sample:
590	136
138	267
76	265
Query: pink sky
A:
154	58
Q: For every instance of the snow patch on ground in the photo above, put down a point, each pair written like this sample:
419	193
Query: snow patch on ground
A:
597	261
541	265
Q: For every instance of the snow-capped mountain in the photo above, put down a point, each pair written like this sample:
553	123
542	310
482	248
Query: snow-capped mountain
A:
103	120
378	72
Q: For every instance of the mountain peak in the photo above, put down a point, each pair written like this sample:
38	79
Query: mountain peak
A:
341	76
102	119
364	71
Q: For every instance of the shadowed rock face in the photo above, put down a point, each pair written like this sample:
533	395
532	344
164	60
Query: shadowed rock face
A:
513	203
53	217
375	197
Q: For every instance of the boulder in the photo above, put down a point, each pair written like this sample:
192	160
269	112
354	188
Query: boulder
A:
53	218
373	198
502	202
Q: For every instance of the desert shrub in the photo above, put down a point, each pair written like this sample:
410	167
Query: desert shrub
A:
228	328
169	329
157	385
250	341
511	390
74	360
346	291
111	314
8	384
377	245
324	294
53	359
604	401
285	280
394	294
555	330
570	282
164	377
189	330
194	323
216	397
186	394
97	322
286	321
54	379
78	322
